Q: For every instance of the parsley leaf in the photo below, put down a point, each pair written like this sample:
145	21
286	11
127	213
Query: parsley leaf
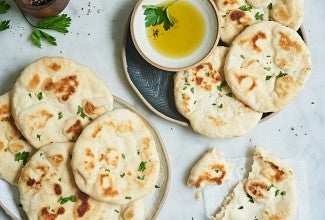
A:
270	6
223	84
38	34
38	136
142	166
251	200
58	23
158	14
276	193
281	74
40	96
123	156
122	175
220	106
4	25
267	68
4	7
246	8
268	77
242	56
80	112
283	193
60	115
241	207
259	16
128	197
63	200
157	187
22	156
141	178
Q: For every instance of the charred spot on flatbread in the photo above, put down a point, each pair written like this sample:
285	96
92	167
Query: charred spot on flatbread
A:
64	88
75	130
45	213
83	205
34	82
240	17
258	189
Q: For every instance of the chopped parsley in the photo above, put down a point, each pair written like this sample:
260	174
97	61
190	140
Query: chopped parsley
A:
107	170
22	156
224	16
229	94
138	152
246	8
60	115
268	77
157	187
240	207
141	177
183	95
192	90
268	56
269	188
142	166
267	68
39	96
63	200
283	193
251	200
123	156
270	6
207	74
223	84
242	56
217	171
276	193
195	102
117	211
259	16
281	74
38	136
128	197
60	179
80	112
30	95
220	106
122	175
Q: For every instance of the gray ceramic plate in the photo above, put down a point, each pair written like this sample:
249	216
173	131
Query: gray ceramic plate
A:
154	86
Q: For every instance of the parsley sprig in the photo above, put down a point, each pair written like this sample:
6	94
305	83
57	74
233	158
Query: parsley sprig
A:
4	7
59	23
22	156
159	14
63	200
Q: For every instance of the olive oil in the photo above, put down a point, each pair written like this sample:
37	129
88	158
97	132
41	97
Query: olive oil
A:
184	37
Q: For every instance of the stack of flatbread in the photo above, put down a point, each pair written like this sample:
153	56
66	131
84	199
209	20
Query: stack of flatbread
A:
71	155
264	69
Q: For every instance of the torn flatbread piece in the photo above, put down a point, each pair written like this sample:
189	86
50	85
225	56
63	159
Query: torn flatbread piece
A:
268	193
212	168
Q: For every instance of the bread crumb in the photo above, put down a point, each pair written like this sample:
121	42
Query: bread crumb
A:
198	196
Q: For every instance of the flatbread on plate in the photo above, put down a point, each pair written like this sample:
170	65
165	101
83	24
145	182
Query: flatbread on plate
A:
267	66
239	14
48	191
203	97
212	168
115	158
55	98
14	149
268	193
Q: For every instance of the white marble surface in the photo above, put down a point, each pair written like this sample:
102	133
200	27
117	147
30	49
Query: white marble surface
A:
96	40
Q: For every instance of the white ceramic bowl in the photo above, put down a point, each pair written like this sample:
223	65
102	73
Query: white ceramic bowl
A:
142	43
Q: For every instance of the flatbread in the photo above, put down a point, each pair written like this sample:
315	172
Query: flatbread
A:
14	149
267	66
203	97
212	168
48	191
134	211
115	158
238	14
54	98
268	193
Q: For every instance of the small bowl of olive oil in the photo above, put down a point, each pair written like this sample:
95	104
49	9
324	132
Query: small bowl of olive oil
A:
175	35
